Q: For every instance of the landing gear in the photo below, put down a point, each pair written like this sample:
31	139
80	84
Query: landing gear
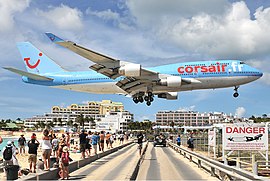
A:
147	97
236	94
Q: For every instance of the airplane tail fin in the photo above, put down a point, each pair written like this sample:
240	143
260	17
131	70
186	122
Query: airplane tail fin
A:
37	62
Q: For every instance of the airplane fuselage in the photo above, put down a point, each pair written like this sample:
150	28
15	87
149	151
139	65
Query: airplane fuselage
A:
209	74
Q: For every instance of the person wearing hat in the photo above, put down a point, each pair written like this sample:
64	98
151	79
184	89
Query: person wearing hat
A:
21	144
65	159
33	147
9	155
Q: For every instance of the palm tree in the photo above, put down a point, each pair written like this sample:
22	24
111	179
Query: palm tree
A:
70	123
80	119
49	125
60	121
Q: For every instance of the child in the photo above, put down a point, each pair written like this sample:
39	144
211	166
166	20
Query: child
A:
64	163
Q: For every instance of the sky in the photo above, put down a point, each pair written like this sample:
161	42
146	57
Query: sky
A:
152	32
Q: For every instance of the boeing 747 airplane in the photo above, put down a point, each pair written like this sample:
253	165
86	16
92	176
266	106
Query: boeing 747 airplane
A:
113	76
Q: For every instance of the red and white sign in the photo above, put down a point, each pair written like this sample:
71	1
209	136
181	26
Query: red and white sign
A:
245	138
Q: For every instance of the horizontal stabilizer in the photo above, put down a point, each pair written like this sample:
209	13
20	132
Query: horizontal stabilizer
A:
54	38
29	75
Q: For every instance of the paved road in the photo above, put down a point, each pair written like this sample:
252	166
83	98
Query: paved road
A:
163	163
116	166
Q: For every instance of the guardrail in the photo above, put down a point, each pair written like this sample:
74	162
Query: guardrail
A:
74	165
216	168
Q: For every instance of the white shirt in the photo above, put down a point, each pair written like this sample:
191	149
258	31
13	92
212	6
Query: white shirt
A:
46	145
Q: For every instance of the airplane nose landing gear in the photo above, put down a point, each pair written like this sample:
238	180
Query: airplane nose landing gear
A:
236	94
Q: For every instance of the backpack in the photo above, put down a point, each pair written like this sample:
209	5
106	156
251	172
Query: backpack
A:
64	157
7	153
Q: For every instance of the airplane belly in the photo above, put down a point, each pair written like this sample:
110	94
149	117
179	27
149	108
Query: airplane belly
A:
96	88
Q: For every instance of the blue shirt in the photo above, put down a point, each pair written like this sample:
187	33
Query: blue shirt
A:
178	139
94	140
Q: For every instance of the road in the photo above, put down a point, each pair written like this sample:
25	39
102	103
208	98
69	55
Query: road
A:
116	166
160	163
163	163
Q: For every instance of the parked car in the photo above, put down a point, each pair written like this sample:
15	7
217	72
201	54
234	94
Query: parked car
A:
160	140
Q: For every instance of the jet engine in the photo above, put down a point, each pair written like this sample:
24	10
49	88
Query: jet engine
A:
168	95
130	70
172	81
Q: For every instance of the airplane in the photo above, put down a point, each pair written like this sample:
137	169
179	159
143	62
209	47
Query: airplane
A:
112	76
246	138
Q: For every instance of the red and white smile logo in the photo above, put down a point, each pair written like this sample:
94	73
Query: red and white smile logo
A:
32	66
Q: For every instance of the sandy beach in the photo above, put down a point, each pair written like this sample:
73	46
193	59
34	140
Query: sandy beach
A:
23	158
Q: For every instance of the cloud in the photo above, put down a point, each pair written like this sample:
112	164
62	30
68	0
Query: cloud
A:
240	112
147	13
8	10
63	17
190	108
225	32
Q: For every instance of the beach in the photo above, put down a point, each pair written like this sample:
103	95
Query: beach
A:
23	158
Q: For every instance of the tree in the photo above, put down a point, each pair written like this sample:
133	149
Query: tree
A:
60	121
70	123
80	119
49	125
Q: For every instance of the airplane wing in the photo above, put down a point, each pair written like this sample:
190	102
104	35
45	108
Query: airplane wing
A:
109	66
133	81
104	64
27	74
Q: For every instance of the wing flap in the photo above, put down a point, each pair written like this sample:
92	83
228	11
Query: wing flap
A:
29	75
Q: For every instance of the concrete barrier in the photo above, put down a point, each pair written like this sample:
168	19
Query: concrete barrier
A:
74	165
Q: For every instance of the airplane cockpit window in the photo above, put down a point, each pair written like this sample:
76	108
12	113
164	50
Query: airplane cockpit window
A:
242	62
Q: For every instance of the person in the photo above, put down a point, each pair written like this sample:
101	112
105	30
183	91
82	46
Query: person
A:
9	155
68	140
108	139
95	142
1	140
32	158
55	145
102	137
121	138
65	159
46	149
190	143
82	137
140	142
21	144
178	140
88	144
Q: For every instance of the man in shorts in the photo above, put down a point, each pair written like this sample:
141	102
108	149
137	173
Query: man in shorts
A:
21	144
33	147
83	140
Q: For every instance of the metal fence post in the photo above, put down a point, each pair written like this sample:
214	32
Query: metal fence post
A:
255	168
238	164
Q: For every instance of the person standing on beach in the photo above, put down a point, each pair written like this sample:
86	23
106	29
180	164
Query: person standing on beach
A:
108	139
46	149
102	137
33	147
22	143
95	142
83	142
68	140
65	159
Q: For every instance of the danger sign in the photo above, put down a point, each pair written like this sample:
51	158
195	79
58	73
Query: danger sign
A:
245	138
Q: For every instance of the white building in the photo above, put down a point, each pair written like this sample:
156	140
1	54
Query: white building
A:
114	121
191	118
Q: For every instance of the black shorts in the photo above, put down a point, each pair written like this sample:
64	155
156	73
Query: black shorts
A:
82	147
101	141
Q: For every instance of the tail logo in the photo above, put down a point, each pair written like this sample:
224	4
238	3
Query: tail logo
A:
32	66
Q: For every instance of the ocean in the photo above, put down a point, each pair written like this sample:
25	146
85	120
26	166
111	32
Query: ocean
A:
4	143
